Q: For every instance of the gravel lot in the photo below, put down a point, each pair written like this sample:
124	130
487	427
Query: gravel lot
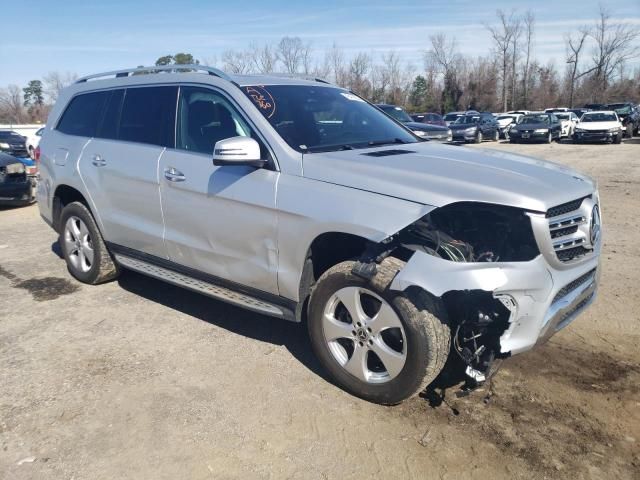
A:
139	379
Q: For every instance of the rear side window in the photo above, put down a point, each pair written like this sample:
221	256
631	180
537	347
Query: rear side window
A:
83	113
108	127
148	115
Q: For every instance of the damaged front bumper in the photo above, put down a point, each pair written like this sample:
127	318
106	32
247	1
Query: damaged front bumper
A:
540	298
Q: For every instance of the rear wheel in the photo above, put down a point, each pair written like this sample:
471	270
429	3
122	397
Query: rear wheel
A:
380	345
84	250
550	137
496	136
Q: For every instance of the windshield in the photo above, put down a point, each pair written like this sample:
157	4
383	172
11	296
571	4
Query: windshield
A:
451	117
620	108
397	113
505	117
467	120
314	118
563	116
598	117
534	119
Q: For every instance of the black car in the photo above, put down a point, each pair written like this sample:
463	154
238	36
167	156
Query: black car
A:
17	187
475	127
536	127
580	111
12	143
424	130
628	115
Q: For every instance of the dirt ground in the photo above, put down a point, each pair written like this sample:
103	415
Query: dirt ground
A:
138	379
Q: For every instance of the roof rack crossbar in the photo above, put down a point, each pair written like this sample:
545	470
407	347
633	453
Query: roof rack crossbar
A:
300	76
155	69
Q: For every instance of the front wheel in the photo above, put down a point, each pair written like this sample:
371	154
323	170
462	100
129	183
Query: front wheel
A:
550	137
496	136
479	137
83	248
380	345
629	131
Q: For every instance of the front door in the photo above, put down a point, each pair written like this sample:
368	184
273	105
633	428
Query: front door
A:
219	220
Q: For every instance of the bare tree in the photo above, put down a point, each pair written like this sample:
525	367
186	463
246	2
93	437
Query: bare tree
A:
615	44
56	81
11	104
234	61
443	55
359	67
294	54
529	21
502	36
263	59
574	49
334	59
515	38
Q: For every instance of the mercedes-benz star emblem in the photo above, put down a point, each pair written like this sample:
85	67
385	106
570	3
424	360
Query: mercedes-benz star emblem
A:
594	228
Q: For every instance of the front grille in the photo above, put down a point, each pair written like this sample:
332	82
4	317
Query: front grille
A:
568	228
565	208
572	253
570	287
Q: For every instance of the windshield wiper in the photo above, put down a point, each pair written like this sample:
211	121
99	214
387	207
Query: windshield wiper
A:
328	148
377	143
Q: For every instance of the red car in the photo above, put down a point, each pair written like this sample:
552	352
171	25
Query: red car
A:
430	118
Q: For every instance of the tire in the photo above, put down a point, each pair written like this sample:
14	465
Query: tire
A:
83	248
419	330
618	139
496	136
478	138
550	137
31	153
629	131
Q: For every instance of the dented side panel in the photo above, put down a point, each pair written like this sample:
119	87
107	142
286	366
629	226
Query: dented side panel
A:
308	208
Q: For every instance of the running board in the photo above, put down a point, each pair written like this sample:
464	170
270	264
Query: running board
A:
216	291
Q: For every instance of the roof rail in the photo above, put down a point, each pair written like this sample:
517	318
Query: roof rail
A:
156	69
301	76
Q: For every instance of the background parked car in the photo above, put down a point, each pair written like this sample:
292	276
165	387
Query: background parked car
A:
17	185
430	118
628	115
32	141
424	130
451	117
568	122
475	127
505	122
602	126
519	112
579	111
13	144
556	110
536	127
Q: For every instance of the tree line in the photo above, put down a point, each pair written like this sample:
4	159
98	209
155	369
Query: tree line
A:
594	69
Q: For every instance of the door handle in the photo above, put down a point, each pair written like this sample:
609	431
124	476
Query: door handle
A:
98	161
174	175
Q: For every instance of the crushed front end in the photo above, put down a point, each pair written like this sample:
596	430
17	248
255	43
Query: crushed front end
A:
508	278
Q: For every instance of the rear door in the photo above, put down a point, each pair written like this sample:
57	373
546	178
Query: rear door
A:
120	165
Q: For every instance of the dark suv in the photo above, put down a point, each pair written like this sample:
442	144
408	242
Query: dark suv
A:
13	144
475	127
628	115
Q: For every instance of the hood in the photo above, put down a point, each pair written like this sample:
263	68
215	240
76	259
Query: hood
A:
436	174
424	127
598	125
462	126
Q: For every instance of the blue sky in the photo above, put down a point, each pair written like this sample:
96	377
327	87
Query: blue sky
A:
90	36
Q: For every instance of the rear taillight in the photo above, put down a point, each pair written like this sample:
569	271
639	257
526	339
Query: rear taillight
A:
36	154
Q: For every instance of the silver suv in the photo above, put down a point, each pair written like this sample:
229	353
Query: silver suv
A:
298	199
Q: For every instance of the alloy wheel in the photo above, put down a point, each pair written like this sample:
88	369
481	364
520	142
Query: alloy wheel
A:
78	244
364	335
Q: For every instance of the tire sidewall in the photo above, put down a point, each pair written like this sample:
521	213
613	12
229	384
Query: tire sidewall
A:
417	344
78	210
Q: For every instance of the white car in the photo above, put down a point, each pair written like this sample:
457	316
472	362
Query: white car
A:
568	122
506	121
599	126
32	141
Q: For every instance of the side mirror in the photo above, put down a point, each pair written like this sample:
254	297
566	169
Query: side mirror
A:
237	151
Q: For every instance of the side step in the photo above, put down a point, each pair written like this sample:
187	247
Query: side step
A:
216	291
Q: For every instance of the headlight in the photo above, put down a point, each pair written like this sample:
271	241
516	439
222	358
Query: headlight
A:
419	133
470	130
541	130
4	145
15	168
614	130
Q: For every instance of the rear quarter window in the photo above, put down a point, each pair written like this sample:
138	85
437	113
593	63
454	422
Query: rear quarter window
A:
82	114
